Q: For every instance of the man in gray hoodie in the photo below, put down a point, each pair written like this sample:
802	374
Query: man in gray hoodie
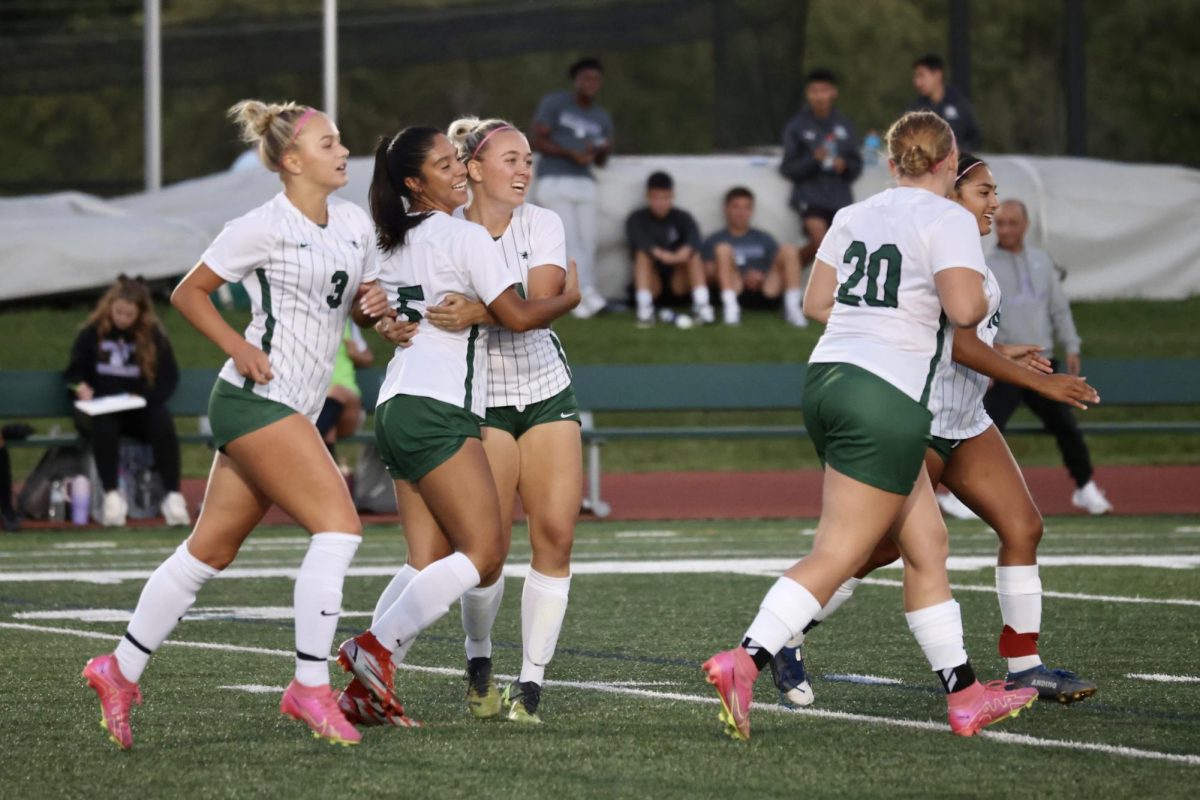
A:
821	158
1034	309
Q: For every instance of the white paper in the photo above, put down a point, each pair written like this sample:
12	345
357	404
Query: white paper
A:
110	404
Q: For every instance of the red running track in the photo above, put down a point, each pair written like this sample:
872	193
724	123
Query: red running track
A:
784	494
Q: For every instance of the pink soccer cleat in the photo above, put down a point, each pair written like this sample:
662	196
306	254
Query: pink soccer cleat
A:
983	704
117	694
361	708
371	663
732	673
317	707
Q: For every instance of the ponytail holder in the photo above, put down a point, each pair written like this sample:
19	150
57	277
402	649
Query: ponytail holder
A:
301	121
483	141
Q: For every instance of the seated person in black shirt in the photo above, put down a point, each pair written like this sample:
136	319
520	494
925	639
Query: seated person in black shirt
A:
666	252
123	348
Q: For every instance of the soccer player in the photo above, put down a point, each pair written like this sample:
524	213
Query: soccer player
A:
968	454
531	431
434	396
306	260
892	270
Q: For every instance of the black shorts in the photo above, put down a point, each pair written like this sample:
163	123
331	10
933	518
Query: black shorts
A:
819	212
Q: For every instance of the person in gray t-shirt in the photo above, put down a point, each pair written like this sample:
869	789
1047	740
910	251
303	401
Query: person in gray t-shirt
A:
572	133
749	262
1034	309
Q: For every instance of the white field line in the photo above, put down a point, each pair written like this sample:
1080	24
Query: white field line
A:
254	688
209	614
84	545
870	680
1097	598
646	534
1158	678
610	688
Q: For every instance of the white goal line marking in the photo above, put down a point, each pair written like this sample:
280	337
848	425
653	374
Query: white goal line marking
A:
610	688
1159	678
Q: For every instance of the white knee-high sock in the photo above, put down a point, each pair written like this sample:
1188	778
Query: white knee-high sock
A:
317	602
393	590
390	594
1019	590
166	597
479	608
938	630
840	596
426	599
543	606
785	611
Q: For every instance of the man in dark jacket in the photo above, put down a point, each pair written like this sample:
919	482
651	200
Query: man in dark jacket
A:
929	78
821	158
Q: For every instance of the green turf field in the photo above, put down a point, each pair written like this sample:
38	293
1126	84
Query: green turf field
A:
627	712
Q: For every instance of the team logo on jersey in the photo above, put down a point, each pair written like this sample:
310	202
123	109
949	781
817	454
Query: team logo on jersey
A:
525	255
994	322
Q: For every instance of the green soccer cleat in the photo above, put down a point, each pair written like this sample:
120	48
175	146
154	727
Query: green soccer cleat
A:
483	696
521	700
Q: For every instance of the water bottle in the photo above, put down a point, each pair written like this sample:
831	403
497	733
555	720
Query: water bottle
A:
145	490
831	151
871	145
57	510
81	499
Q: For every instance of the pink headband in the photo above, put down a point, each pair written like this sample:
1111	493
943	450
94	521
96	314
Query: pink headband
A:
963	174
301	121
491	133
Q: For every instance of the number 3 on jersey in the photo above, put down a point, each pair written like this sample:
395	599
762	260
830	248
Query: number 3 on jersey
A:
404	294
870	267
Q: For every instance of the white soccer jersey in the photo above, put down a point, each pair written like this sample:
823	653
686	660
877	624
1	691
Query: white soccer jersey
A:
302	279
527	367
442	255
887	318
956	399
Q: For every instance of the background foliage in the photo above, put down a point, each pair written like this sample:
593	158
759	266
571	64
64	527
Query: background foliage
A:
683	77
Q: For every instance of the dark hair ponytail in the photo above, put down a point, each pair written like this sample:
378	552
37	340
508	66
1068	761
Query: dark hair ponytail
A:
397	158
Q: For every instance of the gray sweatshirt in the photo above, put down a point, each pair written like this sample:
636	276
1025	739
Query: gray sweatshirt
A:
1034	309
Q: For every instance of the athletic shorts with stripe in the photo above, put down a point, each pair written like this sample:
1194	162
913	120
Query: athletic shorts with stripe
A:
234	411
864	427
417	434
516	420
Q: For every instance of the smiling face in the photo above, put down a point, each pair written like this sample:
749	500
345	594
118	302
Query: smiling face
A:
977	194
318	155
442	185
503	171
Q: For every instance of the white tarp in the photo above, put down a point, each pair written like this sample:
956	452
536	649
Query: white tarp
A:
1120	230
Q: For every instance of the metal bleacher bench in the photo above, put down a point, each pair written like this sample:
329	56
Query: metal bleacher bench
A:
664	388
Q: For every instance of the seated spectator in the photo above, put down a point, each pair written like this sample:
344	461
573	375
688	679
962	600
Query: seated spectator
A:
665	241
749	263
9	519
342	414
929	79
821	158
123	348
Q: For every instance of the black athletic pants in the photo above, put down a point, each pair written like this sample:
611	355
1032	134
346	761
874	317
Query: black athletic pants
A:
151	424
1002	400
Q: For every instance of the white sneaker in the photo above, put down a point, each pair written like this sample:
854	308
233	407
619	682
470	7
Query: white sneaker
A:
115	509
1091	499
582	311
594	301
732	315
174	510
645	317
704	314
796	320
954	507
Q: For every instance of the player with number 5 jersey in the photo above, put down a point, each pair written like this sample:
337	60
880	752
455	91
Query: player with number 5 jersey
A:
307	262
891	272
433	399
